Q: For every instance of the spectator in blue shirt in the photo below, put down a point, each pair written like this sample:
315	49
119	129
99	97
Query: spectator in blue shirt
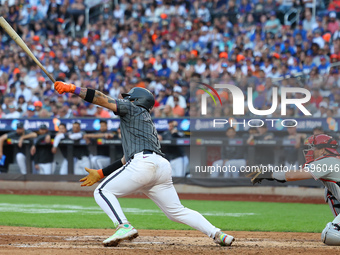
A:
285	71
260	98
276	48
165	71
48	92
285	47
319	26
301	31
323	67
157	45
245	7
195	44
295	68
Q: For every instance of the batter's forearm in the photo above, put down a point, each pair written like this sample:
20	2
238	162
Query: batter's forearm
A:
99	98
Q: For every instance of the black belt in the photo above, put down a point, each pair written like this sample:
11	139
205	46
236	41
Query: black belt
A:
146	152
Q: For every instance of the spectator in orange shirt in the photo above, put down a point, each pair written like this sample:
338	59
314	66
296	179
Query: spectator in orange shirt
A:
140	82
178	111
257	70
102	113
334	5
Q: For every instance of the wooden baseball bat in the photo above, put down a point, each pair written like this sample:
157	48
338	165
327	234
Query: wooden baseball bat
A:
10	31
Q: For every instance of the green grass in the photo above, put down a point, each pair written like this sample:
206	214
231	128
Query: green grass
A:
83	212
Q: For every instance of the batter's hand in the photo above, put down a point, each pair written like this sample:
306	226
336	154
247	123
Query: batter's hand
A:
92	177
63	87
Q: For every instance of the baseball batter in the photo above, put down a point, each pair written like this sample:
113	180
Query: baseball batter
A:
322	163
142	168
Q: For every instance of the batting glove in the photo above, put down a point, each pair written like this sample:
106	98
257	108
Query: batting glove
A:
63	87
91	178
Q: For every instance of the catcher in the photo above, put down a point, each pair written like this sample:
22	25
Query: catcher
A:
322	163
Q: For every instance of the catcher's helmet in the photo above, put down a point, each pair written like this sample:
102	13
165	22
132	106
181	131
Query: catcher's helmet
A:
140	97
319	142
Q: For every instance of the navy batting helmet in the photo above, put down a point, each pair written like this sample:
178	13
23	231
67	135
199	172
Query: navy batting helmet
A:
140	97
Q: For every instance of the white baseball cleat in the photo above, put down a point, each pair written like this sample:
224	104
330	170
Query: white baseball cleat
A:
123	232
223	239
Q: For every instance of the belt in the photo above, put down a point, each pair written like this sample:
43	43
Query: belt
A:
145	152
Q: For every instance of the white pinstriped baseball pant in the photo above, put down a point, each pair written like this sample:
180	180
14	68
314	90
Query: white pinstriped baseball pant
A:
150	174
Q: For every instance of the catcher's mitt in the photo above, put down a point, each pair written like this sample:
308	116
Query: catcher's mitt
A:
259	174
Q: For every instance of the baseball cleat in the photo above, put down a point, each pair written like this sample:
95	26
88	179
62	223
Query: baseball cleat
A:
123	232
223	239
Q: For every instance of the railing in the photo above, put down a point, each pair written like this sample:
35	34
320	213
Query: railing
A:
69	27
289	21
93	9
199	150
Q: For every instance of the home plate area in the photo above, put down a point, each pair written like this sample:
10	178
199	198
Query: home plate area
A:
26	240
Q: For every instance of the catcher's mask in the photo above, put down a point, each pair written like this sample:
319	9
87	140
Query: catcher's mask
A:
140	97
318	142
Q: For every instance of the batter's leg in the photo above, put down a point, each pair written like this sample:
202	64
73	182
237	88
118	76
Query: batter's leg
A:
133	176
165	196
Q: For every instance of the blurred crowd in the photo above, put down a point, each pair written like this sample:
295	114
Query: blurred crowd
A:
165	46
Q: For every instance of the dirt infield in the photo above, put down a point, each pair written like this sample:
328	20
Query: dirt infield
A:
27	241
24	240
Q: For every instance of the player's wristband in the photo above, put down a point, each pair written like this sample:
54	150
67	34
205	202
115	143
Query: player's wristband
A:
100	172
113	167
77	91
89	95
